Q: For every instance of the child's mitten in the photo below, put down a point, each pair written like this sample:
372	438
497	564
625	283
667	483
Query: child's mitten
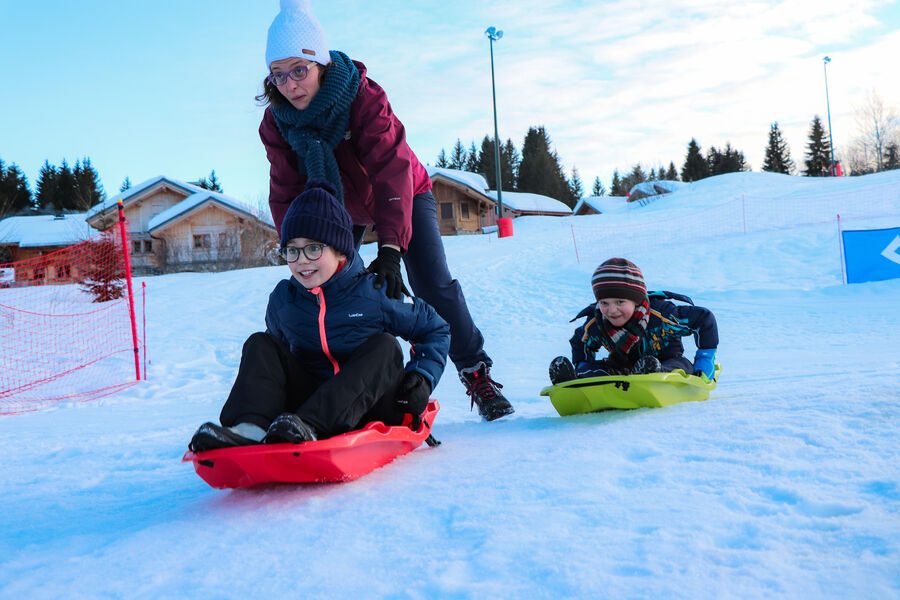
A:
705	363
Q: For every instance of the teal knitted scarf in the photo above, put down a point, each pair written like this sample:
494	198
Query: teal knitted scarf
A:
314	133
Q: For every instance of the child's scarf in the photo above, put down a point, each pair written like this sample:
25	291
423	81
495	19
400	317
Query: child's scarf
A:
314	133
620	340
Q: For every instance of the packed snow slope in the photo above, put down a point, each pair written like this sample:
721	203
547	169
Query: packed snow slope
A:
783	484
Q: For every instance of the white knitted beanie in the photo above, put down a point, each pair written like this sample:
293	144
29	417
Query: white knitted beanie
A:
295	33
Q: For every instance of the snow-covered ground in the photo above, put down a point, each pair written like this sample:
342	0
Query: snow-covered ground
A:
784	484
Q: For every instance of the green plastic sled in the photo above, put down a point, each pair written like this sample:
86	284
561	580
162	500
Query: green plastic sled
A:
653	390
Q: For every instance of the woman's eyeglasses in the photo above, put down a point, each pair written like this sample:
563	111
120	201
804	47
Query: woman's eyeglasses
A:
279	78
310	251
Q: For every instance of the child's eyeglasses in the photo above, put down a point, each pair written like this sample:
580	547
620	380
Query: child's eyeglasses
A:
279	78
310	251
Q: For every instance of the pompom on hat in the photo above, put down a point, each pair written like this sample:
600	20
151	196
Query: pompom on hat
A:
619	278
296	33
317	215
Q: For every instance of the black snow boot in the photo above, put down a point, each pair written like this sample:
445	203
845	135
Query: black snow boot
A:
485	392
212	437
288	428
646	364
561	370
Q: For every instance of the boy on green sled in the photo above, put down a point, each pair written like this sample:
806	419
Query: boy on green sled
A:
641	332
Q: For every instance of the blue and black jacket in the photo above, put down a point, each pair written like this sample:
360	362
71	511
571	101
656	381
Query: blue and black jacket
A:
324	325
669	322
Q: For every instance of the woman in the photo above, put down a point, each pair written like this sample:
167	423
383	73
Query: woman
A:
326	118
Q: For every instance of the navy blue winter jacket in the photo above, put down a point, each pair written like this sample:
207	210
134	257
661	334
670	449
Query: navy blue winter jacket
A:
323	329
669	322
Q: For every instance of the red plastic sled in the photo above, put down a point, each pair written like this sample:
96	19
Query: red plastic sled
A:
341	458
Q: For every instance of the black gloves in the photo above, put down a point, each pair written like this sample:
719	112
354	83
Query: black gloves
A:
412	397
387	267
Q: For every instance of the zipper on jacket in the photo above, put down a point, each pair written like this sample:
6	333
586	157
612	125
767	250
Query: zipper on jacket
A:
320	299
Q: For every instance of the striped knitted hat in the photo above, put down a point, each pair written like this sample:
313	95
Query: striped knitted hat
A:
619	278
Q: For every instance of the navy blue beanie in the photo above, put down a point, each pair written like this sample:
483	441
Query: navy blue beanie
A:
317	215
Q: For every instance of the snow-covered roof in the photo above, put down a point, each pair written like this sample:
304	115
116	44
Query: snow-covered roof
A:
45	230
136	190
196	196
602	204
195	200
468	179
526	202
653	188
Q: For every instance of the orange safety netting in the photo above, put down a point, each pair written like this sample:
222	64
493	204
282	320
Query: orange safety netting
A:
66	328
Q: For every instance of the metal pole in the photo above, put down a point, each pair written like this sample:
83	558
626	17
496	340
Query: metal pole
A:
493	35
825	62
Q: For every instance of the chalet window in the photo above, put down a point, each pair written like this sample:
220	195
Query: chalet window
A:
136	247
63	272
464	209
148	246
446	210
202	241
223	241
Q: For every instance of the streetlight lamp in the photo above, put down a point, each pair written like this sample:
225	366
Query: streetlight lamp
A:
493	35
825	62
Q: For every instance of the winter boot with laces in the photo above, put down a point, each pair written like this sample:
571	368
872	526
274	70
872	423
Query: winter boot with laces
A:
210	436
561	370
288	428
485	392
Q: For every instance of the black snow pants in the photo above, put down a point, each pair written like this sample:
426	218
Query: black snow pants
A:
271	381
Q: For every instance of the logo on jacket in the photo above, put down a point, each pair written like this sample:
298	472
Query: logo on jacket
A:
354	315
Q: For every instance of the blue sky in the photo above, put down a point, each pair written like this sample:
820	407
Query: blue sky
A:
166	87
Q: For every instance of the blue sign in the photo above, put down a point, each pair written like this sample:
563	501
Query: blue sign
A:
872	254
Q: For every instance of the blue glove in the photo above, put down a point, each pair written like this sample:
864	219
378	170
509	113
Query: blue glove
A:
705	363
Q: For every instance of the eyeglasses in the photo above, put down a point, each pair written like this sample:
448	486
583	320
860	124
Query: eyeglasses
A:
279	78
310	251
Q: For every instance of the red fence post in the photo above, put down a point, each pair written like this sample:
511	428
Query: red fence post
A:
127	255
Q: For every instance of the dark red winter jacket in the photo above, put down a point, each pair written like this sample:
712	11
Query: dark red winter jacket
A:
379	171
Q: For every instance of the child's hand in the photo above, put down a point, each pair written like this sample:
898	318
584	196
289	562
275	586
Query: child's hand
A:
412	397
705	363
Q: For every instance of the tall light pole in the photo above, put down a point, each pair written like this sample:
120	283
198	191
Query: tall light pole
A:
825	62
495	34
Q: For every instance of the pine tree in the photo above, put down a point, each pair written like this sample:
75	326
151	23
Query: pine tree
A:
65	187
458	156
46	190
540	171
597	189
509	165
213	181
778	154
472	159
487	163
616	188
818	150
729	160
632	179
442	161
104	277
652	175
671	173
88	189
695	167
576	188
126	185
14	192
